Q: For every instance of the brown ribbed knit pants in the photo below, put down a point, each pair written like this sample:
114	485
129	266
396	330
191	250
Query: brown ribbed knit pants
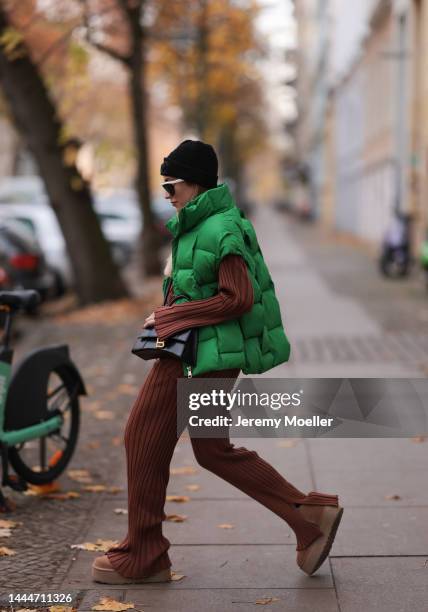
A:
150	439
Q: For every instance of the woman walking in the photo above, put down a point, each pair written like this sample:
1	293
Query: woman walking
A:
215	261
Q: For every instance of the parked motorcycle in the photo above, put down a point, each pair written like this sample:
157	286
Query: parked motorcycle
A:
395	258
424	259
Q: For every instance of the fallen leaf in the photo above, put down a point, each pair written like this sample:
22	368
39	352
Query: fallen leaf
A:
192	487
177	498
175	576
188	469
5	533
91	406
120	511
61	609
108	603
95	488
226	526
104	415
114	489
80	475
42	490
98	546
6	552
111	395
393	496
266	600
176	518
287	443
62	496
8	524
117	440
127	389
94	444
419	438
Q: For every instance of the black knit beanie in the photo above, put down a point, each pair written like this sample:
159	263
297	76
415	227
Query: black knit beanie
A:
193	161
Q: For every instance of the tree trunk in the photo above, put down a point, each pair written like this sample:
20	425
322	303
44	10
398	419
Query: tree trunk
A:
137	90
97	277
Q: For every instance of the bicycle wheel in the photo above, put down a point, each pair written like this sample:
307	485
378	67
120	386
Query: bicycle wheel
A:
41	460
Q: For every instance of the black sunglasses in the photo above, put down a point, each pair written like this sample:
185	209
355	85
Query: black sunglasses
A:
169	186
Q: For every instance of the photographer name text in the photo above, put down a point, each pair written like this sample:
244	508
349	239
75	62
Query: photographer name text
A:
286	421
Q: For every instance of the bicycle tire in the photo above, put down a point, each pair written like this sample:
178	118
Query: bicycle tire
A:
37	477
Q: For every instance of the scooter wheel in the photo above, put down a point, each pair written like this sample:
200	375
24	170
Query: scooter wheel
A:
42	460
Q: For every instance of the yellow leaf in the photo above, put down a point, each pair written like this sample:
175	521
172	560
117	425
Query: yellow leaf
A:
266	600
114	489
6	552
108	603
176	518
42	490
11	40
188	469
175	576
226	526
95	488
177	498
98	546
61	609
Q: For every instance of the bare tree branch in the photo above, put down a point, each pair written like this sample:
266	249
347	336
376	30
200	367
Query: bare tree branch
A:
124	59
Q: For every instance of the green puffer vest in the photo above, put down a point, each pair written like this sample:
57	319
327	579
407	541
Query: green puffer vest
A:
205	230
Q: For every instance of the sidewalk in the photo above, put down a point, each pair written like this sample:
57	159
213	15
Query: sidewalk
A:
380	556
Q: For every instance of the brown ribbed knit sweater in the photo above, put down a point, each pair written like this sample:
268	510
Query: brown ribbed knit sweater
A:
234	297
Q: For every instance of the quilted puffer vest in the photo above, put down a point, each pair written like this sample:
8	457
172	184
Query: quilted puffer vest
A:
205	230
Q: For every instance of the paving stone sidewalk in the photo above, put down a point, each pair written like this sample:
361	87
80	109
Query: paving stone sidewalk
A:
379	560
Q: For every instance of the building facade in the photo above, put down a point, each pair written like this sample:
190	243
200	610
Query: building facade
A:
374	115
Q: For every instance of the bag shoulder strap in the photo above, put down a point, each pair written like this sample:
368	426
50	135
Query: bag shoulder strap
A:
176	297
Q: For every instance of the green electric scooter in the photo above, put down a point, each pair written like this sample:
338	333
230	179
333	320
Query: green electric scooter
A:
39	406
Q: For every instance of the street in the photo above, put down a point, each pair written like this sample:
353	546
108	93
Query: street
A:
343	320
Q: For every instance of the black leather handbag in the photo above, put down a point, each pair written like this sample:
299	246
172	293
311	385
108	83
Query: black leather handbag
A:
183	345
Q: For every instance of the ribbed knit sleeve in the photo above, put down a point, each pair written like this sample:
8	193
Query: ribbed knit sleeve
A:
234	297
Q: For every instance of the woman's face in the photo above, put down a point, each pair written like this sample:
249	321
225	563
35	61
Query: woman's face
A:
183	193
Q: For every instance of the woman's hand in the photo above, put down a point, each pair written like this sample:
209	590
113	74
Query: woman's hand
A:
150	320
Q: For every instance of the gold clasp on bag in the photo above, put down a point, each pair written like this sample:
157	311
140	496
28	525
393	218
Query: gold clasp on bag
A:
160	343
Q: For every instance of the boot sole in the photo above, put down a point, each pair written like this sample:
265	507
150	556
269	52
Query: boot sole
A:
112	577
329	525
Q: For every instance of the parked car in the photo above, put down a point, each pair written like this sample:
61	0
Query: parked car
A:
123	204
121	222
22	262
23	190
43	225
163	211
